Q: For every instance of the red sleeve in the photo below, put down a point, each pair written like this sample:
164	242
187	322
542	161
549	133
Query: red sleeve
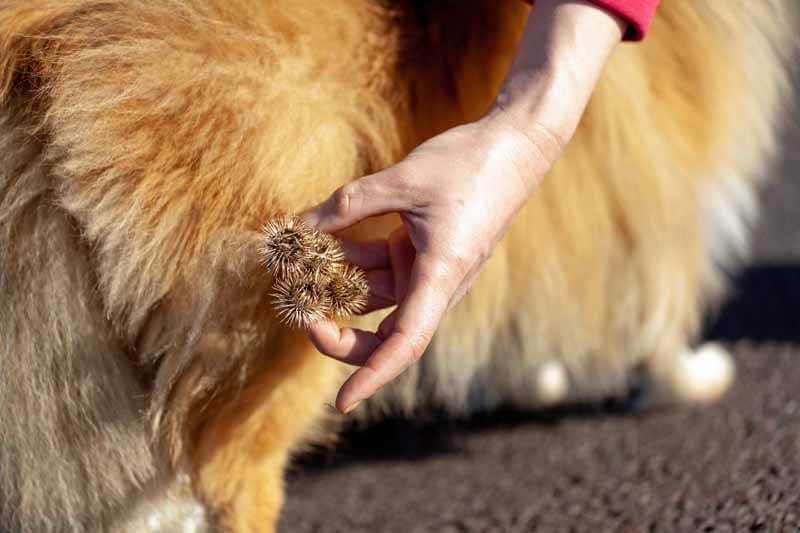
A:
637	13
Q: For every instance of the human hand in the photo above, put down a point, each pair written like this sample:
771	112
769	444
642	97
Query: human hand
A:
456	195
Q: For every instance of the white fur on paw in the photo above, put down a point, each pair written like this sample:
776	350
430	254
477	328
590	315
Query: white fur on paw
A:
165	508
552	383
177	516
703	375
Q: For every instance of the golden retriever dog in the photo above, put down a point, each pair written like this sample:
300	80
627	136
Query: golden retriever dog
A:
145	382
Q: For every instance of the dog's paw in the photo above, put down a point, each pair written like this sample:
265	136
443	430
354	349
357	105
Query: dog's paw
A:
166	508
702	375
552	383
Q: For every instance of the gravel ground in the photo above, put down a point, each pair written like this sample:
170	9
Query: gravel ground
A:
731	467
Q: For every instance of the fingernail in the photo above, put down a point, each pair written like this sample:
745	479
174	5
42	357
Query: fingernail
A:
351	407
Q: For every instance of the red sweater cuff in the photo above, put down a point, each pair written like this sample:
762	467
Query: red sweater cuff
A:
637	13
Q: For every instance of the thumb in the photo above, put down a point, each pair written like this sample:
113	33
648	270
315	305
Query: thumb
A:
351	203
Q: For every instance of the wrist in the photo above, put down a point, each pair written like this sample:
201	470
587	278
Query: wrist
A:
563	50
539	108
538	143
519	154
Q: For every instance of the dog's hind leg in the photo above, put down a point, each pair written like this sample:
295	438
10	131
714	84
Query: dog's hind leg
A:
74	446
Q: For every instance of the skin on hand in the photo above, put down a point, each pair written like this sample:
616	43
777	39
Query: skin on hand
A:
457	193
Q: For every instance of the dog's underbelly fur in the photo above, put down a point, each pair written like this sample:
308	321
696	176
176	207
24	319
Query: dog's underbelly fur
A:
144	143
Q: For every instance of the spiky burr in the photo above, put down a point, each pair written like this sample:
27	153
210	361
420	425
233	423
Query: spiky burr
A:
347	292
288	246
301	299
327	257
312	278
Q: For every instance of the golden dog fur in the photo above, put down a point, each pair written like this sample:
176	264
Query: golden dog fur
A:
144	142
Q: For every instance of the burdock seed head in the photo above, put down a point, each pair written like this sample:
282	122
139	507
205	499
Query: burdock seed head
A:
347	292
327	255
288	246
301	299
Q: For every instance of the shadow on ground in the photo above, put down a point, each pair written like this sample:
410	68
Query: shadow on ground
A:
764	305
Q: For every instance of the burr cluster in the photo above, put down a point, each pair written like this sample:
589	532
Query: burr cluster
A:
312	279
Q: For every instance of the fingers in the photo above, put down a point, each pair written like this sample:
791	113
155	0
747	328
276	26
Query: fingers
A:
401	257
387	265
381	290
353	202
387	326
416	321
366	254
351	346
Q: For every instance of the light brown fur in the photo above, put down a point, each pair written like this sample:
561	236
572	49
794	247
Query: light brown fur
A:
144	143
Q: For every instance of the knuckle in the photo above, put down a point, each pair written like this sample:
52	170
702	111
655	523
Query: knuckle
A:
345	198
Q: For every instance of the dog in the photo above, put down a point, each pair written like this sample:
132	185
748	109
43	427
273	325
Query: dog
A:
146	383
